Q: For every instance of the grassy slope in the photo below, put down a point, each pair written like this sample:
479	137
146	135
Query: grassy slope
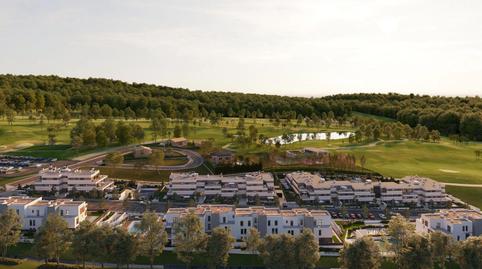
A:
472	196
403	158
391	158
25	132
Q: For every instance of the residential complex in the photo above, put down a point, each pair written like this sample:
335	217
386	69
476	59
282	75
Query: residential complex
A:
311	187
266	220
458	223
250	186
68	179
33	211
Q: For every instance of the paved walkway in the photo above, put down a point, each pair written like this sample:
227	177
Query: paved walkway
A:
463	185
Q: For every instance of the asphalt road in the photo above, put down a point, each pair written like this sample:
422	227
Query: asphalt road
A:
194	160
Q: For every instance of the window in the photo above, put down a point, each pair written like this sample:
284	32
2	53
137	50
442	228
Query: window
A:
241	223
61	212
209	218
224	219
249	223
275	223
449	229
291	223
269	222
319	232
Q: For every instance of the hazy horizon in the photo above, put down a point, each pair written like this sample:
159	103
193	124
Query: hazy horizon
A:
294	48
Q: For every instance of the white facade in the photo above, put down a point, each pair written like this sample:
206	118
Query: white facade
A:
266	220
458	223
68	179
34	211
250	185
312	187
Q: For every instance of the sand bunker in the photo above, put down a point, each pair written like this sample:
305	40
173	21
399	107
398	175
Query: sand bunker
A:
449	171
23	145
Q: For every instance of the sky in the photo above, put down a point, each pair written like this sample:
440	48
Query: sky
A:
296	48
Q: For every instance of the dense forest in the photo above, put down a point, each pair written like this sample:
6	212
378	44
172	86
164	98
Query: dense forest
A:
54	97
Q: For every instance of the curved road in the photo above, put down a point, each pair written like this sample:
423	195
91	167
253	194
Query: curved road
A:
194	160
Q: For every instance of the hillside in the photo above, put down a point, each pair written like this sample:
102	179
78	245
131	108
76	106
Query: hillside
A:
55	96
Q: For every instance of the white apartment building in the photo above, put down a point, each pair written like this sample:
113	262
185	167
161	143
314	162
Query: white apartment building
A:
266	220
458	223
250	185
68	179
311	187
33	211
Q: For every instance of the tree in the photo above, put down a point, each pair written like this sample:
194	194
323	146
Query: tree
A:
10	116
41	121
306	250
277	251
137	132
152	236
399	229
177	131
101	138
156	159
253	240
470	126
10	227
361	254
185	129
52	135
124	247
218	246
53	238
415	253
469	253
83	242
189	237
124	133
102	249
441	246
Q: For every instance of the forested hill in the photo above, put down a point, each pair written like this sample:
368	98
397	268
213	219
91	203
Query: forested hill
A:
54	96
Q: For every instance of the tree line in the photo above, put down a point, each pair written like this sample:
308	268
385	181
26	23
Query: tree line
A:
54	97
104	244
412	251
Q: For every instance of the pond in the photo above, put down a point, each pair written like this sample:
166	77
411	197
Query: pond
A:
297	137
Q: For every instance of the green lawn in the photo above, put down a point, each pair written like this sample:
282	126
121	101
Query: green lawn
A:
27	137
472	196
444	161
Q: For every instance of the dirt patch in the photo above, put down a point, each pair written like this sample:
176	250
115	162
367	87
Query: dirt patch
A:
449	171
